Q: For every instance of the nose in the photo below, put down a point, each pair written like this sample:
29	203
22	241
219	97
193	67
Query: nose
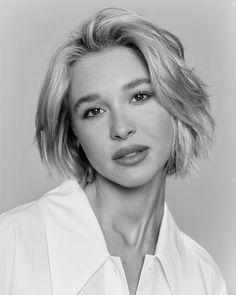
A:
122	127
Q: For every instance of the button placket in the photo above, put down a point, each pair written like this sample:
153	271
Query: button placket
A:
147	275
150	263
150	268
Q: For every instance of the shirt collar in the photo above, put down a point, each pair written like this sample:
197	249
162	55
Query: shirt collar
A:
168	249
76	244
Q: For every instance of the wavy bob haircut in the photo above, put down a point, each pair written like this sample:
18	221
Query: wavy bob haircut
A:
177	89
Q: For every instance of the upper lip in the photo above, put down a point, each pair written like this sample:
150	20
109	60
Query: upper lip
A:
128	150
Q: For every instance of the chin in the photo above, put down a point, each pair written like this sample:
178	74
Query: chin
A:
133	180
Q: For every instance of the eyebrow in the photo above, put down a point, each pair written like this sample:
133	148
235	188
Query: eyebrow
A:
95	96
136	83
86	99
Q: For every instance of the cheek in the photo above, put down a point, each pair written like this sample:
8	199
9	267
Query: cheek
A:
160	128
165	130
93	144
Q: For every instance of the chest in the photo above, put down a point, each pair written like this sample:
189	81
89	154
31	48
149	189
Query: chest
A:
132	268
139	277
132	262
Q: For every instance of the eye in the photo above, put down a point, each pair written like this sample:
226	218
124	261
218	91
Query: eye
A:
141	96
93	112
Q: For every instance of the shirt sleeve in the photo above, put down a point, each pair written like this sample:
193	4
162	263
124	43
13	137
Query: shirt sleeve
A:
7	253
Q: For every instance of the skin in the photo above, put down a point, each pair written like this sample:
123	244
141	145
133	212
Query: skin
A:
127	200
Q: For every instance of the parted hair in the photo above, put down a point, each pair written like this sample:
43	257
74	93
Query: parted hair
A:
176	86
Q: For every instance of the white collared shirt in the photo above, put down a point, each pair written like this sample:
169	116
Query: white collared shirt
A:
55	246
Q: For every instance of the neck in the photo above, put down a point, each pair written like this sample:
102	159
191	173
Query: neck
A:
133	213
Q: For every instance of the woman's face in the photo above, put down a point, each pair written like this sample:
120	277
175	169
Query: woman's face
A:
124	132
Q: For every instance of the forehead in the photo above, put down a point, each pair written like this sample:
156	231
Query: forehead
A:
112	67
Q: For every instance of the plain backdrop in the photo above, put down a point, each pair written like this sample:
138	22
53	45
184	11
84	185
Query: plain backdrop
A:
204	207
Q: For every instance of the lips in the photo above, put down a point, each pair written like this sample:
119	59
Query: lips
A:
128	150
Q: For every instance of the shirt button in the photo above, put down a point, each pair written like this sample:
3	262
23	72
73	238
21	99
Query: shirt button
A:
151	268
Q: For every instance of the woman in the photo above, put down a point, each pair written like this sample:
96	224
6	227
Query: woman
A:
119	111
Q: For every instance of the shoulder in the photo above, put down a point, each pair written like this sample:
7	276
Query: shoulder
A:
23	242
185	261
197	252
23	214
31	214
202	264
27	213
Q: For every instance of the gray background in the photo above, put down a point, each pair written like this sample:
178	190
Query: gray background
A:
204	207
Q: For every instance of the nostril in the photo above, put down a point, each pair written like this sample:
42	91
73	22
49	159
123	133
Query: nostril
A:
122	134
121	127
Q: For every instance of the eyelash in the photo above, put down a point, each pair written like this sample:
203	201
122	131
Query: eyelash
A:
142	93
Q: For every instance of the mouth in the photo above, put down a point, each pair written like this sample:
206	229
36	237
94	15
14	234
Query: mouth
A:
130	155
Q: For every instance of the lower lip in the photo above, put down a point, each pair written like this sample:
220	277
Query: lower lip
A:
133	159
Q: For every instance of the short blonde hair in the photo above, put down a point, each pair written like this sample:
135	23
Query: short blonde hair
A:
176	86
